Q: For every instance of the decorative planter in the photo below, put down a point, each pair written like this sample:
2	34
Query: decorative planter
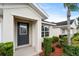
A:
58	52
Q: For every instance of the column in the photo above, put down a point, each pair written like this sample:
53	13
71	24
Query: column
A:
8	26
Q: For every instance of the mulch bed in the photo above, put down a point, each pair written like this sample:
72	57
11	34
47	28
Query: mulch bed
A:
58	51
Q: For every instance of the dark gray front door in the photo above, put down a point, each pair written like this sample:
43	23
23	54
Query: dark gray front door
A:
23	33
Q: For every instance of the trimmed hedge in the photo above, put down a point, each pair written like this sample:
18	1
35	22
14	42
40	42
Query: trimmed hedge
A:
71	50
47	46
6	49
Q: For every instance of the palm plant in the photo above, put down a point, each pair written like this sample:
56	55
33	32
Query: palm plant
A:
70	7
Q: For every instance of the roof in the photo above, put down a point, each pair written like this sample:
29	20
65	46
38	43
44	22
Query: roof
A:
48	23
64	22
39	10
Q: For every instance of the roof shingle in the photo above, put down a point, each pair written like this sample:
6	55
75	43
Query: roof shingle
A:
64	22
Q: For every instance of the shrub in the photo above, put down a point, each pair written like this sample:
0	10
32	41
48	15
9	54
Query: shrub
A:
53	49
63	39
71	50
6	49
76	34
42	45
75	38
2	49
58	45
55	39
47	46
61	36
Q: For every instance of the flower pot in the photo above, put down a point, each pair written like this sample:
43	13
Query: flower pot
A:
58	51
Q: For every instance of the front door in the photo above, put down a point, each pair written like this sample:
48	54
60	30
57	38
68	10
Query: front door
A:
23	33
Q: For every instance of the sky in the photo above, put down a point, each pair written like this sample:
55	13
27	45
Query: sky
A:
56	12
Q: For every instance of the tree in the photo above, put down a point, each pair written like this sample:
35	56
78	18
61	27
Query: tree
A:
70	7
78	23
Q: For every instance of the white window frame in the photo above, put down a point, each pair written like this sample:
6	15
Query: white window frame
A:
45	31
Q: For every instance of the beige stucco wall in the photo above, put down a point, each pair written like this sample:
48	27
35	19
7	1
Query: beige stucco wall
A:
56	31
51	31
25	12
1	28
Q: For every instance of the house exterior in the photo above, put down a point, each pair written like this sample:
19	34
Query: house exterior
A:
48	29
21	24
24	24
60	28
63	27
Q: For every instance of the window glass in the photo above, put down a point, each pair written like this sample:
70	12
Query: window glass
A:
46	29
42	28
46	34
23	29
42	34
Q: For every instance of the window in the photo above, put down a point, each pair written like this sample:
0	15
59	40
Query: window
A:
45	31
63	31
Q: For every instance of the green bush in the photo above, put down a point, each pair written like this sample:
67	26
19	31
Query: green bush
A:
47	45
53	49
58	45
63	39
75	38
76	34
61	36
71	50
55	39
6	49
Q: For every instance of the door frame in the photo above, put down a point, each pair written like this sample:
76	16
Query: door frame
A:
16	44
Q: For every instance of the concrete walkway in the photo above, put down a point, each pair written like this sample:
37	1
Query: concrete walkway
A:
25	51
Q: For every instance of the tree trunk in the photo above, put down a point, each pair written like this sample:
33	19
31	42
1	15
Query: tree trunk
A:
68	23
